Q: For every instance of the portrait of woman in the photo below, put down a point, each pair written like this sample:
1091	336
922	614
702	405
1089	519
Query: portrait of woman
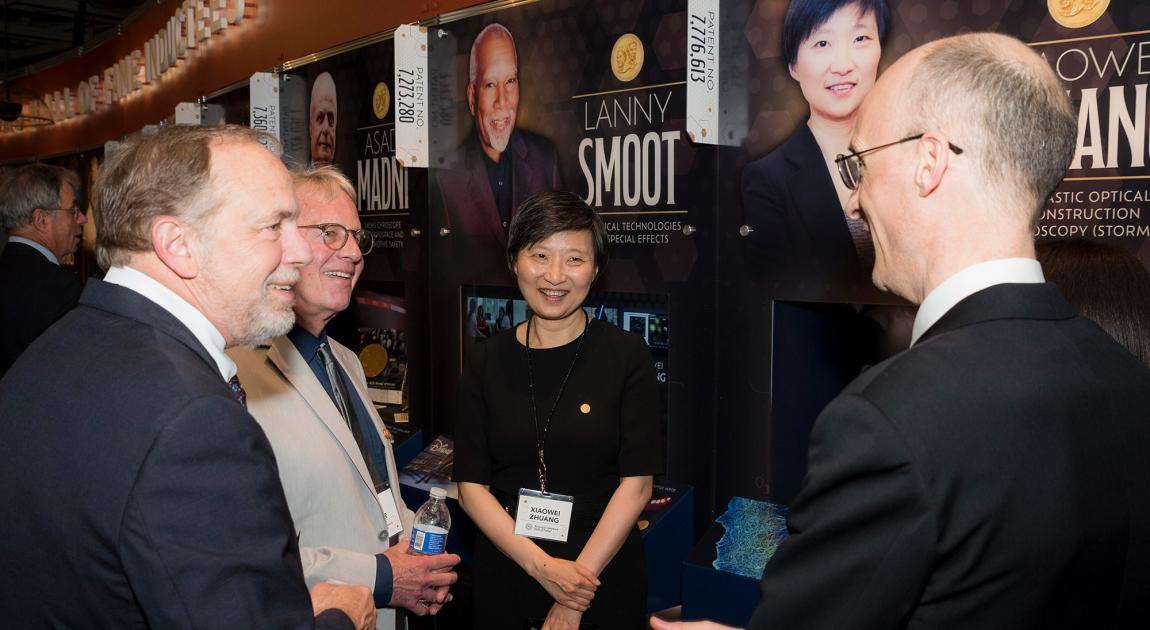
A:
793	197
566	404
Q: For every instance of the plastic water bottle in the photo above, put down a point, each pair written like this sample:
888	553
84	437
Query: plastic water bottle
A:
432	522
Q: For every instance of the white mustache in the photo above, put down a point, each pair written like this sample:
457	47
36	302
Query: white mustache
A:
284	276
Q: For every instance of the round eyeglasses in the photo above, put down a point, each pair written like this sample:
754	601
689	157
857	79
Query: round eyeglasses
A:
335	236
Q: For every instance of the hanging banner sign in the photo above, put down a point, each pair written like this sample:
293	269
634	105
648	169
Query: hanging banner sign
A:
264	89
703	71
188	114
411	96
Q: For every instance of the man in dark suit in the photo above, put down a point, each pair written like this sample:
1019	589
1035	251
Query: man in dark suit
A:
499	166
993	475
138	492
40	211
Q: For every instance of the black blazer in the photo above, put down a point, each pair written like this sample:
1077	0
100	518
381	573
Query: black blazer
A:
993	476
34	293
137	492
800	233
467	204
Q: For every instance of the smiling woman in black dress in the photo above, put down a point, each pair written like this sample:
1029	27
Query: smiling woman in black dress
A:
594	393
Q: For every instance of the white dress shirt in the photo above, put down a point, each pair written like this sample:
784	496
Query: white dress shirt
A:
36	246
970	281
165	298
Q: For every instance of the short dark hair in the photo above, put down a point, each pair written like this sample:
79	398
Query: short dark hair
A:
806	16
551	212
1107	284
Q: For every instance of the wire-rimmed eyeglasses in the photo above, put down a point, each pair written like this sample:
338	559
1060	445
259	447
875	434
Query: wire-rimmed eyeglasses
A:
850	166
75	210
335	236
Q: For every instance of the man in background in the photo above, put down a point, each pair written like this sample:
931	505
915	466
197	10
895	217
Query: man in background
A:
994	474
309	394
324	114
40	210
138	492
499	165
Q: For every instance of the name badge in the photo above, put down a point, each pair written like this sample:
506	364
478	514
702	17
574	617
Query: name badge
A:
390	512
543	515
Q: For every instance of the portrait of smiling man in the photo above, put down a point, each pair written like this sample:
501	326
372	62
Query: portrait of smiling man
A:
499	165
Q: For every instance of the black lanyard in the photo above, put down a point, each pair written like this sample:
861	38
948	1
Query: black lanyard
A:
541	436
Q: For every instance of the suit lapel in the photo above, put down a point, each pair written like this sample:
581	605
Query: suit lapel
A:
1004	301
291	364
376	421
819	208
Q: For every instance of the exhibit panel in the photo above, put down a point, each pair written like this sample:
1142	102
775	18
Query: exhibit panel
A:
793	278
731	256
782	235
338	108
591	99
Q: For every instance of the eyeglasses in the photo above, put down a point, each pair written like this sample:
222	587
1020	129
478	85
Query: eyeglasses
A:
850	166
75	210
335	236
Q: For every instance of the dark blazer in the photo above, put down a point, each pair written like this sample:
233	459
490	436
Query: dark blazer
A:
467	204
137	492
800	233
993	476
34	293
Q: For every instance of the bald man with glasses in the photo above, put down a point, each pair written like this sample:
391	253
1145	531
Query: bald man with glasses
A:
41	214
994	474
309	394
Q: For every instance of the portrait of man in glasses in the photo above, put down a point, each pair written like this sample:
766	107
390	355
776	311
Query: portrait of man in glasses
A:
309	394
40	211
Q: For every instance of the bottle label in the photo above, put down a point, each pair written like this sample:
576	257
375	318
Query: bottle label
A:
428	540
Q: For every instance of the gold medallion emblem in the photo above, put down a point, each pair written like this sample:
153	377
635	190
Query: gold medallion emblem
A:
381	100
627	57
585	408
373	357
1076	13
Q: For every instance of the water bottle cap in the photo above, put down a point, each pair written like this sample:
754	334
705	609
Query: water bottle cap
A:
438	493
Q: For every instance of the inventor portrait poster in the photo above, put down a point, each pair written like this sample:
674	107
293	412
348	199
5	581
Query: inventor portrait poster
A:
582	96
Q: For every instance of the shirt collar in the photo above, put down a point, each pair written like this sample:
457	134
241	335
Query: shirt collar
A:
306	343
36	246
190	316
970	281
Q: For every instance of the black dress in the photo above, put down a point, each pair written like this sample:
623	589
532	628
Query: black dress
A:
606	426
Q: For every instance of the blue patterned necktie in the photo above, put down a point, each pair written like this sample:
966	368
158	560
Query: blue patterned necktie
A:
344	404
238	391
